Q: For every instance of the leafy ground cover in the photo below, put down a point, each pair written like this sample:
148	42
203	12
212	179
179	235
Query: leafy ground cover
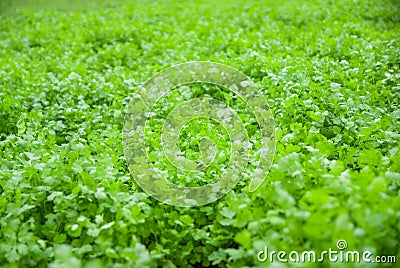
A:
330	73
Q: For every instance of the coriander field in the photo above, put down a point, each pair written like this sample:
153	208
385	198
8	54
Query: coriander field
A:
329	71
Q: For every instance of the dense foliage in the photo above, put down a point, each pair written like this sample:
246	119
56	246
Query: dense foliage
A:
330	73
